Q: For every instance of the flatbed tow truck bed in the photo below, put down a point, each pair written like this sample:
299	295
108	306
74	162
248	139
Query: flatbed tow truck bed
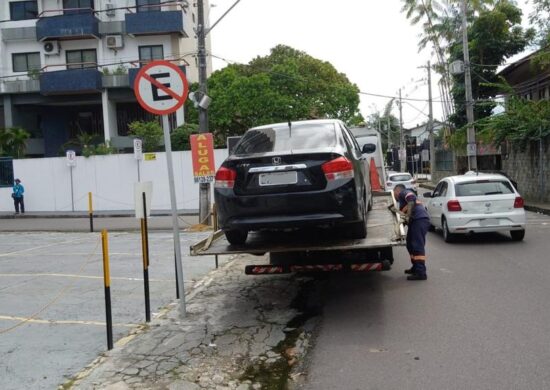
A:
317	249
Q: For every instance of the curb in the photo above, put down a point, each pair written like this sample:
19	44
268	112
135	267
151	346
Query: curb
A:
86	215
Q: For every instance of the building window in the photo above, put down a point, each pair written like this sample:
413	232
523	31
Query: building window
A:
71	7
24	62
148	5
22	10
150	53
6	172
79	59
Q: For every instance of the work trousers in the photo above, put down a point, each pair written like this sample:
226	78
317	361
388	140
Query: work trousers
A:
19	203
416	243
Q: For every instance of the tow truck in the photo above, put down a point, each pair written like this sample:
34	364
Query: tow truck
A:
318	250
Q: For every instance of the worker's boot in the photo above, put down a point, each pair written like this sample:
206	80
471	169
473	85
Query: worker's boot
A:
417	277
410	271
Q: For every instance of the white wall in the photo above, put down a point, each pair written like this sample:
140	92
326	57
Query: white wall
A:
110	179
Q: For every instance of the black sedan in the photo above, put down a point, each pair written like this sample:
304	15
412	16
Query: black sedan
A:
294	175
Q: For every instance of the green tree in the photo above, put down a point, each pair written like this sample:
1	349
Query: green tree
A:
390	136
13	141
540	18
180	136
494	35
287	84
149	132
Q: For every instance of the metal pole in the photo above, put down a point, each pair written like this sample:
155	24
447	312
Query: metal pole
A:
175	227
204	188
72	189
541	161
139	174
431	120
145	253
107	285
471	134
91	212
402	148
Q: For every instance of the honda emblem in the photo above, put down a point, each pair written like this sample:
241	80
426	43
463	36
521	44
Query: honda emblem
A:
276	160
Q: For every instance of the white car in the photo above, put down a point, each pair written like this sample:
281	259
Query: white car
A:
476	203
404	178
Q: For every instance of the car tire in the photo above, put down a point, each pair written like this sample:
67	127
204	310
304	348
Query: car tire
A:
371	203
517	235
358	230
236	237
447	235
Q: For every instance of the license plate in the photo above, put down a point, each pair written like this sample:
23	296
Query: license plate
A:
489	222
278	178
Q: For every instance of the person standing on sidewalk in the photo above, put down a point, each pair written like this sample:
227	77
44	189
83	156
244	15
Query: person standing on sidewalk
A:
418	221
17	195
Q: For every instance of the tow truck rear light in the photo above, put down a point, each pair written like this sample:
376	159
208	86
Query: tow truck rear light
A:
225	178
519	203
339	168
454	205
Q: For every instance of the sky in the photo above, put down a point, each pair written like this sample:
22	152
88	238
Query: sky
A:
370	41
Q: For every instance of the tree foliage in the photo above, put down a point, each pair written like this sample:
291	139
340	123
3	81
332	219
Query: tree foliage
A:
13	142
388	124
149	132
285	85
540	18
180	136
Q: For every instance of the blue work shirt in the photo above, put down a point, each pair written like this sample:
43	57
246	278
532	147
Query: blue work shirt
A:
18	190
419	210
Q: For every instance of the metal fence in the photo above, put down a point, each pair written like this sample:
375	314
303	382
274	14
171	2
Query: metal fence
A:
443	160
6	172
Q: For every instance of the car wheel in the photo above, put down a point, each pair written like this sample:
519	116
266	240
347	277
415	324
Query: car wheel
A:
517	235
236	237
358	230
371	203
447	236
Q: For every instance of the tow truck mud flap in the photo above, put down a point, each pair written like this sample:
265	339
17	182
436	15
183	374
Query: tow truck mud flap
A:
286	269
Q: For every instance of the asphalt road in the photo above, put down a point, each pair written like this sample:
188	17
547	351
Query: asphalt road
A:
52	313
481	321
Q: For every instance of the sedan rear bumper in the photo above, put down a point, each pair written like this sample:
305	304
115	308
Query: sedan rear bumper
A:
481	223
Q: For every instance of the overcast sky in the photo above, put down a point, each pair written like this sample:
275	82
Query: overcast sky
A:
370	41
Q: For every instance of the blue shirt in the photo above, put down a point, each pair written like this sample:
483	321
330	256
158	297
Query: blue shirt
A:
18	190
419	210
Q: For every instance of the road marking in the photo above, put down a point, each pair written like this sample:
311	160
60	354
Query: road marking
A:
62	322
84	277
41	247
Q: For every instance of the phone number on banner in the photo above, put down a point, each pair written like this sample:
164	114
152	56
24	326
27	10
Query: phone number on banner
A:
204	179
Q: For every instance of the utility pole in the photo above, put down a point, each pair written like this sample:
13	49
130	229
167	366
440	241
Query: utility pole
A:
204	189
402	149
431	120
471	149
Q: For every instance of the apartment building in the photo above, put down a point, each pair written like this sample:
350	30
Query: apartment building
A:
67	66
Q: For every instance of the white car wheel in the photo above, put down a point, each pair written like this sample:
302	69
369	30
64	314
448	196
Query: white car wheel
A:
447	236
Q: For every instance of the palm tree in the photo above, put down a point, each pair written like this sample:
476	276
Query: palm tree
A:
17	141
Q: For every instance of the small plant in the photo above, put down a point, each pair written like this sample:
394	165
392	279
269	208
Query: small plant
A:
105	71
34	74
104	148
120	70
149	132
13	141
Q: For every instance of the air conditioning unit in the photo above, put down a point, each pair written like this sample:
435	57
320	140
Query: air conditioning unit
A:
114	41
110	9
51	48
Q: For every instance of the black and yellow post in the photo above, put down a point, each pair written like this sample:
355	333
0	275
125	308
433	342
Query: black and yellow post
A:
145	254
215	225
107	283
91	212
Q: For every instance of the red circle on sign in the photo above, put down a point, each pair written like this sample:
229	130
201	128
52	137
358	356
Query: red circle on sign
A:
180	99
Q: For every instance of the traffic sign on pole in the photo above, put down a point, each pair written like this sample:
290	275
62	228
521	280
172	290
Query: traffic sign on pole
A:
161	87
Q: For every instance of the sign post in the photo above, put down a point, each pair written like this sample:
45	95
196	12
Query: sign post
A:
161	88
71	163
138	154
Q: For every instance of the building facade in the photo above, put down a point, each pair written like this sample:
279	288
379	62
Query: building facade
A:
528	79
67	66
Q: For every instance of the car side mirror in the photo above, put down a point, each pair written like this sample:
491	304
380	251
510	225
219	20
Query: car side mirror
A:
427	195
368	148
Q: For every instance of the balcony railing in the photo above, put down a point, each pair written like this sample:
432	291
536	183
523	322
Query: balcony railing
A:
70	81
67	26
155	22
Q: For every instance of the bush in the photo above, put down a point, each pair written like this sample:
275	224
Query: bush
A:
149	132
180	136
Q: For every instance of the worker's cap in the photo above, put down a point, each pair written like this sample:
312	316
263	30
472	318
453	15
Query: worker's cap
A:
17	181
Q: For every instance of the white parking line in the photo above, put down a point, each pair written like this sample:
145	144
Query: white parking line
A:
42	247
63	322
83	277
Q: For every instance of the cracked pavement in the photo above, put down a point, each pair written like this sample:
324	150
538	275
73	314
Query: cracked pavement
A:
236	335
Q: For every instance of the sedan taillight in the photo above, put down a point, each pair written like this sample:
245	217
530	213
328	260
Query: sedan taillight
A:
454	205
339	168
519	203
225	178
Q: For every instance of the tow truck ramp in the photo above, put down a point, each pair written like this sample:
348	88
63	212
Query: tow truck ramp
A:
317	250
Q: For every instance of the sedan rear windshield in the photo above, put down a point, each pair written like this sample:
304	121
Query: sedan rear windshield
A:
483	187
281	139
400	177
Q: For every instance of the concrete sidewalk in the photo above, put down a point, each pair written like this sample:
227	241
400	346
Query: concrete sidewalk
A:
84	214
543	208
